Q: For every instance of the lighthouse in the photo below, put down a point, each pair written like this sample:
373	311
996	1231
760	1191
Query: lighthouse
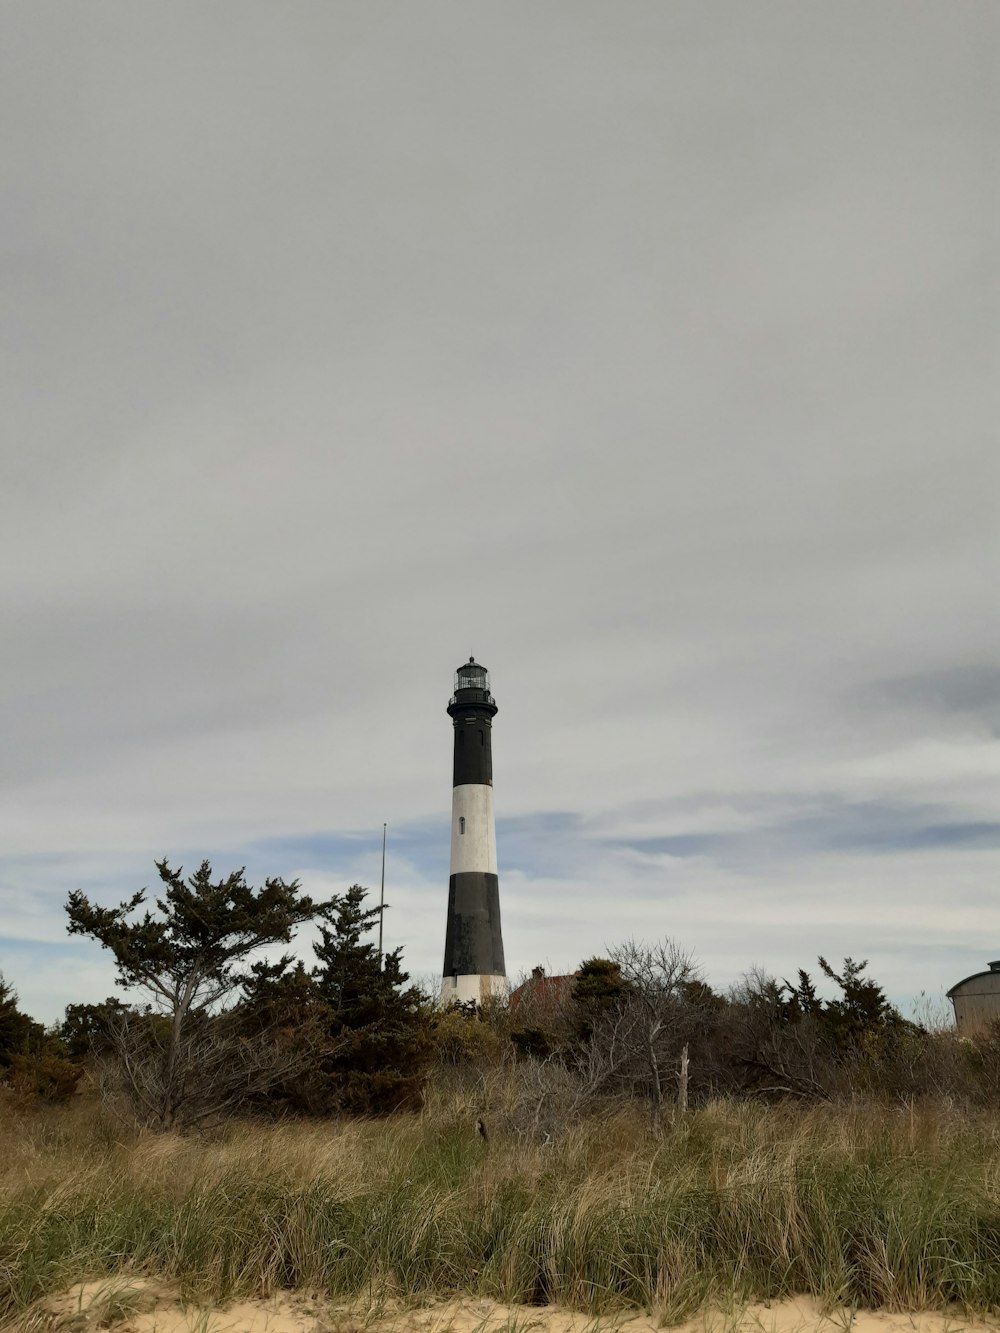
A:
473	947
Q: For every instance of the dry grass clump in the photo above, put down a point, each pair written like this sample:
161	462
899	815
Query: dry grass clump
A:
856	1204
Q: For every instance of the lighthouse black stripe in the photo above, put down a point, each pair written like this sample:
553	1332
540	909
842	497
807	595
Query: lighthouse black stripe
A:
473	944
473	751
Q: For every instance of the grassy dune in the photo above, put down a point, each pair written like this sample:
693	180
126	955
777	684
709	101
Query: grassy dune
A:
857	1205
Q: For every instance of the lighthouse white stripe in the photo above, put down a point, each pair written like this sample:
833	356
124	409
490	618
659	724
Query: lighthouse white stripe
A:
477	988
476	848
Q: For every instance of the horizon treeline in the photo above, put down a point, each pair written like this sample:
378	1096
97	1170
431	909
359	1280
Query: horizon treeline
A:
213	1025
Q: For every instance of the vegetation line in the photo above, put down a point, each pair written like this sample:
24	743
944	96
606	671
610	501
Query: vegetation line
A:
855	1204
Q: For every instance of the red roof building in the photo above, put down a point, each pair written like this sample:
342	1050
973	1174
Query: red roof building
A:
543	993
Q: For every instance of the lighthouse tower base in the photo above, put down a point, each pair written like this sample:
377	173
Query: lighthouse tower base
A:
474	966
459	990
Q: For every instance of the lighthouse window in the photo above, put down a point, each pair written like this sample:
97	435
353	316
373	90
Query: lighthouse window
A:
461	823
481	741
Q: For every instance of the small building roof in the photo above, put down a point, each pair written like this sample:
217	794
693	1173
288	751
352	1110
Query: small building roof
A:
553	990
991	970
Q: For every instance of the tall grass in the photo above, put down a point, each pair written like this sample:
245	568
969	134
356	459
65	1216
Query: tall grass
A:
858	1205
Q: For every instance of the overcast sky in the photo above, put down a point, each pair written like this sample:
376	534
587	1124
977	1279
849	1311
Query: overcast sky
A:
647	351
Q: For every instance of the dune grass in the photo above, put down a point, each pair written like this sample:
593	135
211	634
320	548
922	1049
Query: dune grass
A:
856	1205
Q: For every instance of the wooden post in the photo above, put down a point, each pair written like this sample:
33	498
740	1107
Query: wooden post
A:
682	1081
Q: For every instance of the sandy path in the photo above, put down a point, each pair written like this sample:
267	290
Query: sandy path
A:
139	1307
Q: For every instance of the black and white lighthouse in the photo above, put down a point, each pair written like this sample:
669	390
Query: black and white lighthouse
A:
473	948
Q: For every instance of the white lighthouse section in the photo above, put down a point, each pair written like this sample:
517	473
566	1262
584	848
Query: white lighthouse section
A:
456	990
473	833
473	851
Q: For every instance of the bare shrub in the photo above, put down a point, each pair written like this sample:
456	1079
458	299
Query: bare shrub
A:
770	1056
215	1066
640	1041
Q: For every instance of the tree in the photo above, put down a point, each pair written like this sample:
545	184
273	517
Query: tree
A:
87	1028
639	1009
862	1007
378	1026
794	1043
801	1000
665	995
19	1034
32	1061
191	960
597	989
288	1004
777	1049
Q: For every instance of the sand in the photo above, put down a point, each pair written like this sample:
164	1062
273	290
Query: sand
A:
137	1306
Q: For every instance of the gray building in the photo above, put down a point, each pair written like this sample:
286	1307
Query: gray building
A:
977	1001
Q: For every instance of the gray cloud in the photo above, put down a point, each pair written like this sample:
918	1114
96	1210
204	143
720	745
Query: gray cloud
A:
868	827
970	691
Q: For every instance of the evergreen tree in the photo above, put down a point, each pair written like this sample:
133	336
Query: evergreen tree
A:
598	987
862	1007
19	1034
378	1027
88	1028
278	997
286	1003
191	959
32	1061
801	1001
599	979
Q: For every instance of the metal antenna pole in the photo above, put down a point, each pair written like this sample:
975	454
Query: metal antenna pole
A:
381	903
